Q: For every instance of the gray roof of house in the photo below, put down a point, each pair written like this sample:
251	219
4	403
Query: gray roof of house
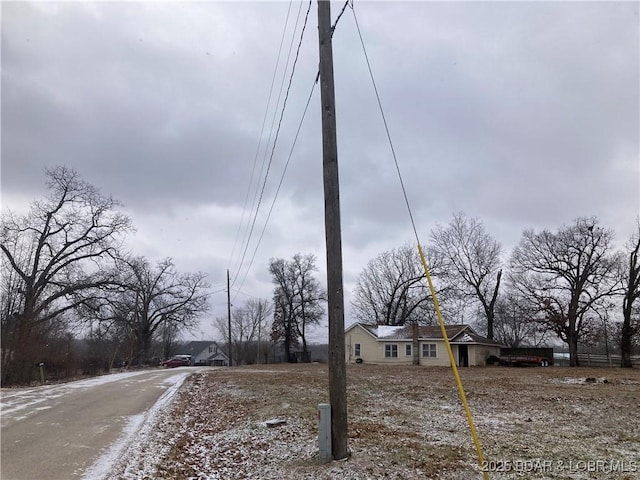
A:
455	333
197	347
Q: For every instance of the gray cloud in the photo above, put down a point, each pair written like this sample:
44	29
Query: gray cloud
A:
522	114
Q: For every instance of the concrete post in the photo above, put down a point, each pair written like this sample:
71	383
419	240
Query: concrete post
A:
324	433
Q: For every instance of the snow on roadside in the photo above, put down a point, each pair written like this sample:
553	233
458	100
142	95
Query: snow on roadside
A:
405	423
215	429
14	400
137	436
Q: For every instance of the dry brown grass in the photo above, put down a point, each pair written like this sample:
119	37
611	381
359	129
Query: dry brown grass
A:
407	422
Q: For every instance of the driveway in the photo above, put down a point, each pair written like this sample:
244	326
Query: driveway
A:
73	430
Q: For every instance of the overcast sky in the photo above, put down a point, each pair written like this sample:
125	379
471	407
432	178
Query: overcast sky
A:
524	115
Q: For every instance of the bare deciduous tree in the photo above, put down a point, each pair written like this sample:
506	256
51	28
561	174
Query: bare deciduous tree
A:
298	299
283	325
163	296
106	347
248	326
54	252
631	292
565	276
151	300
514	322
391	289
471	262
310	295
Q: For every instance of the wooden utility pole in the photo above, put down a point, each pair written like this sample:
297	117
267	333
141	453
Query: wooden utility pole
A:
229	316
335	297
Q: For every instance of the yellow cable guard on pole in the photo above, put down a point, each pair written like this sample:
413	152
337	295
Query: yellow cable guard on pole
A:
463	397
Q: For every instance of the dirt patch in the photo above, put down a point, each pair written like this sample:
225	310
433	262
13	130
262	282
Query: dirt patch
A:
406	423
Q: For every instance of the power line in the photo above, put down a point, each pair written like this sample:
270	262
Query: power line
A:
275	141
247	234
344	7
255	251
239	289
264	122
386	126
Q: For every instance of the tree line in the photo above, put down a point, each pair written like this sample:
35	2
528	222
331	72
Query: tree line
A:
258	327
570	283
65	269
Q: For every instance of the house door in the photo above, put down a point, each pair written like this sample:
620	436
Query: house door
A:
463	355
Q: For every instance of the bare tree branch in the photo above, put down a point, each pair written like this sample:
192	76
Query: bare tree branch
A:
471	262
565	275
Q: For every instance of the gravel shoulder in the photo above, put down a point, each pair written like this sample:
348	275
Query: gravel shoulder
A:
404	423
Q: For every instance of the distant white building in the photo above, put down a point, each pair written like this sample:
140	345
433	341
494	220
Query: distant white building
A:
206	353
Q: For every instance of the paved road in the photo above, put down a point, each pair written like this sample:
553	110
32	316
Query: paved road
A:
58	432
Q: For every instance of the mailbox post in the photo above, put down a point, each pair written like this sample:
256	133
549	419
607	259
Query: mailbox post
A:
41	365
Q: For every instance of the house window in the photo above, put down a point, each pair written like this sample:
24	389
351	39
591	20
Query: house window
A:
210	349
429	350
407	349
391	350
356	349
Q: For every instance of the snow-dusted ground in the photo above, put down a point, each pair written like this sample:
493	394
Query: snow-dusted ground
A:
127	449
18	403
404	423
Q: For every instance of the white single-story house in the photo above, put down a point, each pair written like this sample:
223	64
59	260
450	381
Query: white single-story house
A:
394	345
206	353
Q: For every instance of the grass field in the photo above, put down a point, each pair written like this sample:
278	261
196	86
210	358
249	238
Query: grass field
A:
404	423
